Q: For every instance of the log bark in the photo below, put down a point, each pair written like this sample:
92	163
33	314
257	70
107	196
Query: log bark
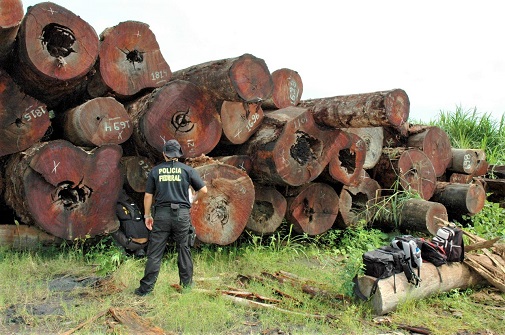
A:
240	120
55	50
386	108
221	216
97	122
24	237
374	139
495	188
268	211
422	216
353	201
411	167
289	148
346	162
177	110
460	199
287	89
463	161
448	277
461	178
129	61
313	210
64	190
244	78
135	170
23	119
435	143
11	15
242	162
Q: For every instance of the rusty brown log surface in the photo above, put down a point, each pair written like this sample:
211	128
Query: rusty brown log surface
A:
179	110
460	199
385	108
65	190
97	122
240	120
244	78
287	89
411	167
347	159
23	119
55	50
374	139
268	211
242	162
435	143
135	170
289	148
25	237
11	15
314	209
221	216
129	60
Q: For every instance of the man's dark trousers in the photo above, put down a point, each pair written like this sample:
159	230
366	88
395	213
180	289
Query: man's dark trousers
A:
175	223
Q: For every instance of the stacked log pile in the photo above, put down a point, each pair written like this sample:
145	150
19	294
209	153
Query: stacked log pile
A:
83	116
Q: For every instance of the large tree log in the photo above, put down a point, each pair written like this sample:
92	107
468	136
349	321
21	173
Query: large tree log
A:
135	170
64	190
448	277
97	122
23	119
11	15
289	148
460	199
435	143
268	211
386	108
463	161
242	162
55	50
240	120
287	89
129	61
410	167
177	110
422	216
313	209
221	216
24	237
245	78
374	139
346	163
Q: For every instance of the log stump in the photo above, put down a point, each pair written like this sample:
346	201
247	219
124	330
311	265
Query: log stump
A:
313	209
23	119
244	78
11	15
55	50
287	89
65	190
240	120
129	61
268	211
97	122
221	216
435	143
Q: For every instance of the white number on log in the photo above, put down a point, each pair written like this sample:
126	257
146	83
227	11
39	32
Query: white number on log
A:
34	113
250	123
467	162
300	121
117	125
159	76
293	90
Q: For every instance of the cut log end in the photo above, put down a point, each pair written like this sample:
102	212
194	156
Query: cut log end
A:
251	78
268	210
397	107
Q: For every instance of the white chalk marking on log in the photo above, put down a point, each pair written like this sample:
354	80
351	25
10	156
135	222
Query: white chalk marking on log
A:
55	166
52	11
138	33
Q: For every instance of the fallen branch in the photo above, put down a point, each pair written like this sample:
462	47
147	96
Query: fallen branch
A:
90	320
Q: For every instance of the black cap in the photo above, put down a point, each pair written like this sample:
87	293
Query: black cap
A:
172	148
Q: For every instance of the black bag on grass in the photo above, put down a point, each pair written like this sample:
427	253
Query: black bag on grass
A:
451	240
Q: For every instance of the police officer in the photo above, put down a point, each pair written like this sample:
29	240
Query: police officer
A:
167	193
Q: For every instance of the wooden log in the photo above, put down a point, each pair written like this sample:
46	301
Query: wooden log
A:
240	120
268	211
289	148
374	141
346	162
313	209
221	216
244	78
495	188
64	190
448	277
11	15
460	199
129	61
386	108
23	119
410	167
461	178
422	216
353	201
287	89
496	171
242	162
24	237
435	143
482	163
55	50
135	170
97	122
463	161
177	110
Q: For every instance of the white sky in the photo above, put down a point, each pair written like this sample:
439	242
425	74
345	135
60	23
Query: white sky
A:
443	53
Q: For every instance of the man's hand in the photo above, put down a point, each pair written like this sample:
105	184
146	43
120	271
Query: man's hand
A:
149	223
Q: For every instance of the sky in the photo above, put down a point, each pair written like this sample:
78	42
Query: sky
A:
445	54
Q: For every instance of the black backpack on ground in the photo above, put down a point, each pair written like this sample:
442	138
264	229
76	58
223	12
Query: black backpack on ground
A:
433	253
131	221
451	240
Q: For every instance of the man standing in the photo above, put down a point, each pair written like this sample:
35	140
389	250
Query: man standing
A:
167	188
